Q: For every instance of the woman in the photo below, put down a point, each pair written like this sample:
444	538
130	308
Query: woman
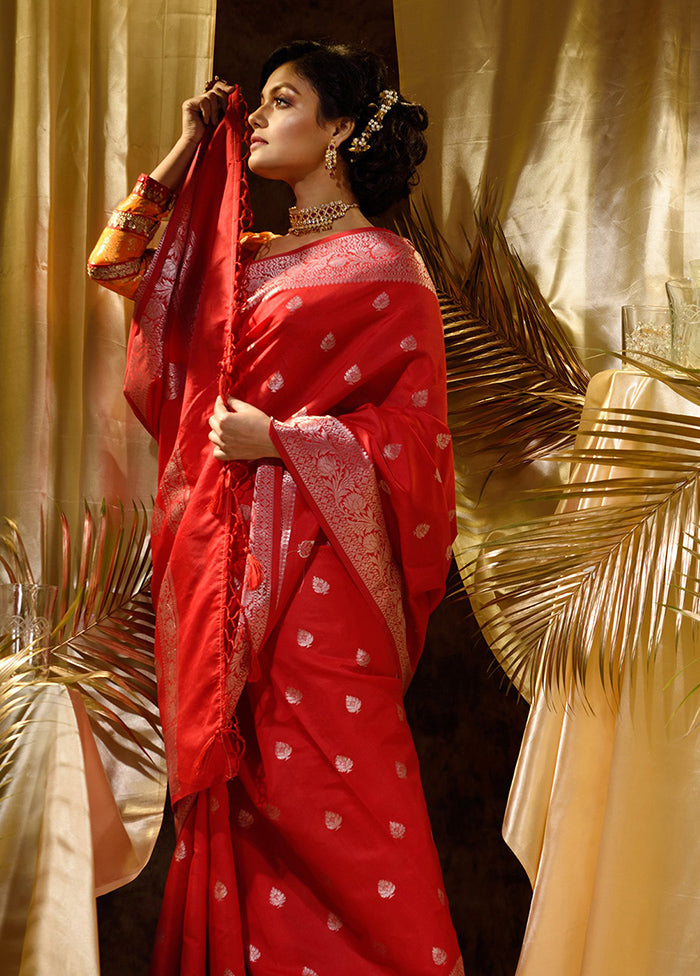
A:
302	527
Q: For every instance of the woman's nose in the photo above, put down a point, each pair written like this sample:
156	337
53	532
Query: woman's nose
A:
256	119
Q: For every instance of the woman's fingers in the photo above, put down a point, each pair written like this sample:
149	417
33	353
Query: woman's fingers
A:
205	109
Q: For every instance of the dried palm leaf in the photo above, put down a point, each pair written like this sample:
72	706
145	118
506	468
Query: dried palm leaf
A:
103	642
515	383
590	588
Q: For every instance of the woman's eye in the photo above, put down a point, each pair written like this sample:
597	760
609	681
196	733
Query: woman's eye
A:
281	101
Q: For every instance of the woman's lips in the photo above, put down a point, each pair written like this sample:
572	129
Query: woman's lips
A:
257	141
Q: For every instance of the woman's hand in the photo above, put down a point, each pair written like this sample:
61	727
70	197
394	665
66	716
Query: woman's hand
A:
203	110
197	113
240	433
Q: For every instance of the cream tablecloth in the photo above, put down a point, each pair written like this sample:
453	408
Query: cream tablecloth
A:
604	809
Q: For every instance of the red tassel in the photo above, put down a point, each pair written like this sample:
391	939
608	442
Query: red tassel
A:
254	572
218	499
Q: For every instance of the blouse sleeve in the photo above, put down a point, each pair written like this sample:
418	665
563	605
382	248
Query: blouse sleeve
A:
121	256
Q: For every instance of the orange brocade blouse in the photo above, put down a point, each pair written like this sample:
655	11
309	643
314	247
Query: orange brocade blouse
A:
121	256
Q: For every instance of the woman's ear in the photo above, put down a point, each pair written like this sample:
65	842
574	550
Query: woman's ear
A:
343	129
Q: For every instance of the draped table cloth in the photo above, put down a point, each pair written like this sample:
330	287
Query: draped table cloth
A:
80	811
603	809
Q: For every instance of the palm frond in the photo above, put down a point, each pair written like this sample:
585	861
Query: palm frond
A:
590	588
103	642
515	383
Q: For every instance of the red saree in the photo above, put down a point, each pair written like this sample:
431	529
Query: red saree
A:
292	596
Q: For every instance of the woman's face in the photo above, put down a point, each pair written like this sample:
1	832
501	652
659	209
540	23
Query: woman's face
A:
288	142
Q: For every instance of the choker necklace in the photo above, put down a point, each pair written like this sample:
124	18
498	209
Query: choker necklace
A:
317	218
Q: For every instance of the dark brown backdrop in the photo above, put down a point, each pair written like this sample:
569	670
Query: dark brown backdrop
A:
467	729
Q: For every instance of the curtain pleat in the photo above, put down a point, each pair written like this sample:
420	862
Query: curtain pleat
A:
584	117
91	93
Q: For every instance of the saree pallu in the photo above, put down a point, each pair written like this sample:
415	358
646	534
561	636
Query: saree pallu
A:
293	595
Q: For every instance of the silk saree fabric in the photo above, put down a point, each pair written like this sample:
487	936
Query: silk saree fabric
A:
292	596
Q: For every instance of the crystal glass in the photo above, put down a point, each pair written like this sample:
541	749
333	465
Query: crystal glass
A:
26	619
684	302
646	329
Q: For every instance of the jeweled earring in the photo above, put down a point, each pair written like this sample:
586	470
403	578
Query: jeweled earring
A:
331	159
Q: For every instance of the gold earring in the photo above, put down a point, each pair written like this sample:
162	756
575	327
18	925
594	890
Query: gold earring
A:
331	159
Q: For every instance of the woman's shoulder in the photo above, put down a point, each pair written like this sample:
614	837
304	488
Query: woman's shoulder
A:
252	241
398	252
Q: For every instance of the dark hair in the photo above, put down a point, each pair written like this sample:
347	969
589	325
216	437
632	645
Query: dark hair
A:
348	82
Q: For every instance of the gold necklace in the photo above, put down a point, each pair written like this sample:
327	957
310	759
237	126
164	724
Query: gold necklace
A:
307	219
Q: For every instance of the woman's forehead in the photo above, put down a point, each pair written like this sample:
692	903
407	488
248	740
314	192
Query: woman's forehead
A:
287	76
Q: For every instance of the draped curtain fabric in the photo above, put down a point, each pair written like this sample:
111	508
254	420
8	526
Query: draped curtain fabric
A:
584	117
581	118
90	92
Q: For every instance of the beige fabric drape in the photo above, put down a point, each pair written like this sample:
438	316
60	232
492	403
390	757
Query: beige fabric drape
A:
79	815
585	115
91	93
603	808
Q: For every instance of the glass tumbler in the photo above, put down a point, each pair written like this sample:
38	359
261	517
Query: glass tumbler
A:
26	620
646	329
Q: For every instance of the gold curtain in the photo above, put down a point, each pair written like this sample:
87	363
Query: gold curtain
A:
585	117
91	90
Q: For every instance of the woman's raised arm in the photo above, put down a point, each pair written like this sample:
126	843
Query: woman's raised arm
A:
121	256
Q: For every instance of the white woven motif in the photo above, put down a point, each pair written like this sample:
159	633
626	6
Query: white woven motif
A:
245	819
320	585
334	923
275	382
283	751
391	451
333	820
386	889
277	898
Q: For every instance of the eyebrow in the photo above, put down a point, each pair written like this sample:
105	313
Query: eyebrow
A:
279	87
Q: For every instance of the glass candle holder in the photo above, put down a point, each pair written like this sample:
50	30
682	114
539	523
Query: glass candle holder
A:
26	620
646	329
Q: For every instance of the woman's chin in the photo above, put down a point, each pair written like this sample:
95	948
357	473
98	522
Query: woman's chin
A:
257	166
